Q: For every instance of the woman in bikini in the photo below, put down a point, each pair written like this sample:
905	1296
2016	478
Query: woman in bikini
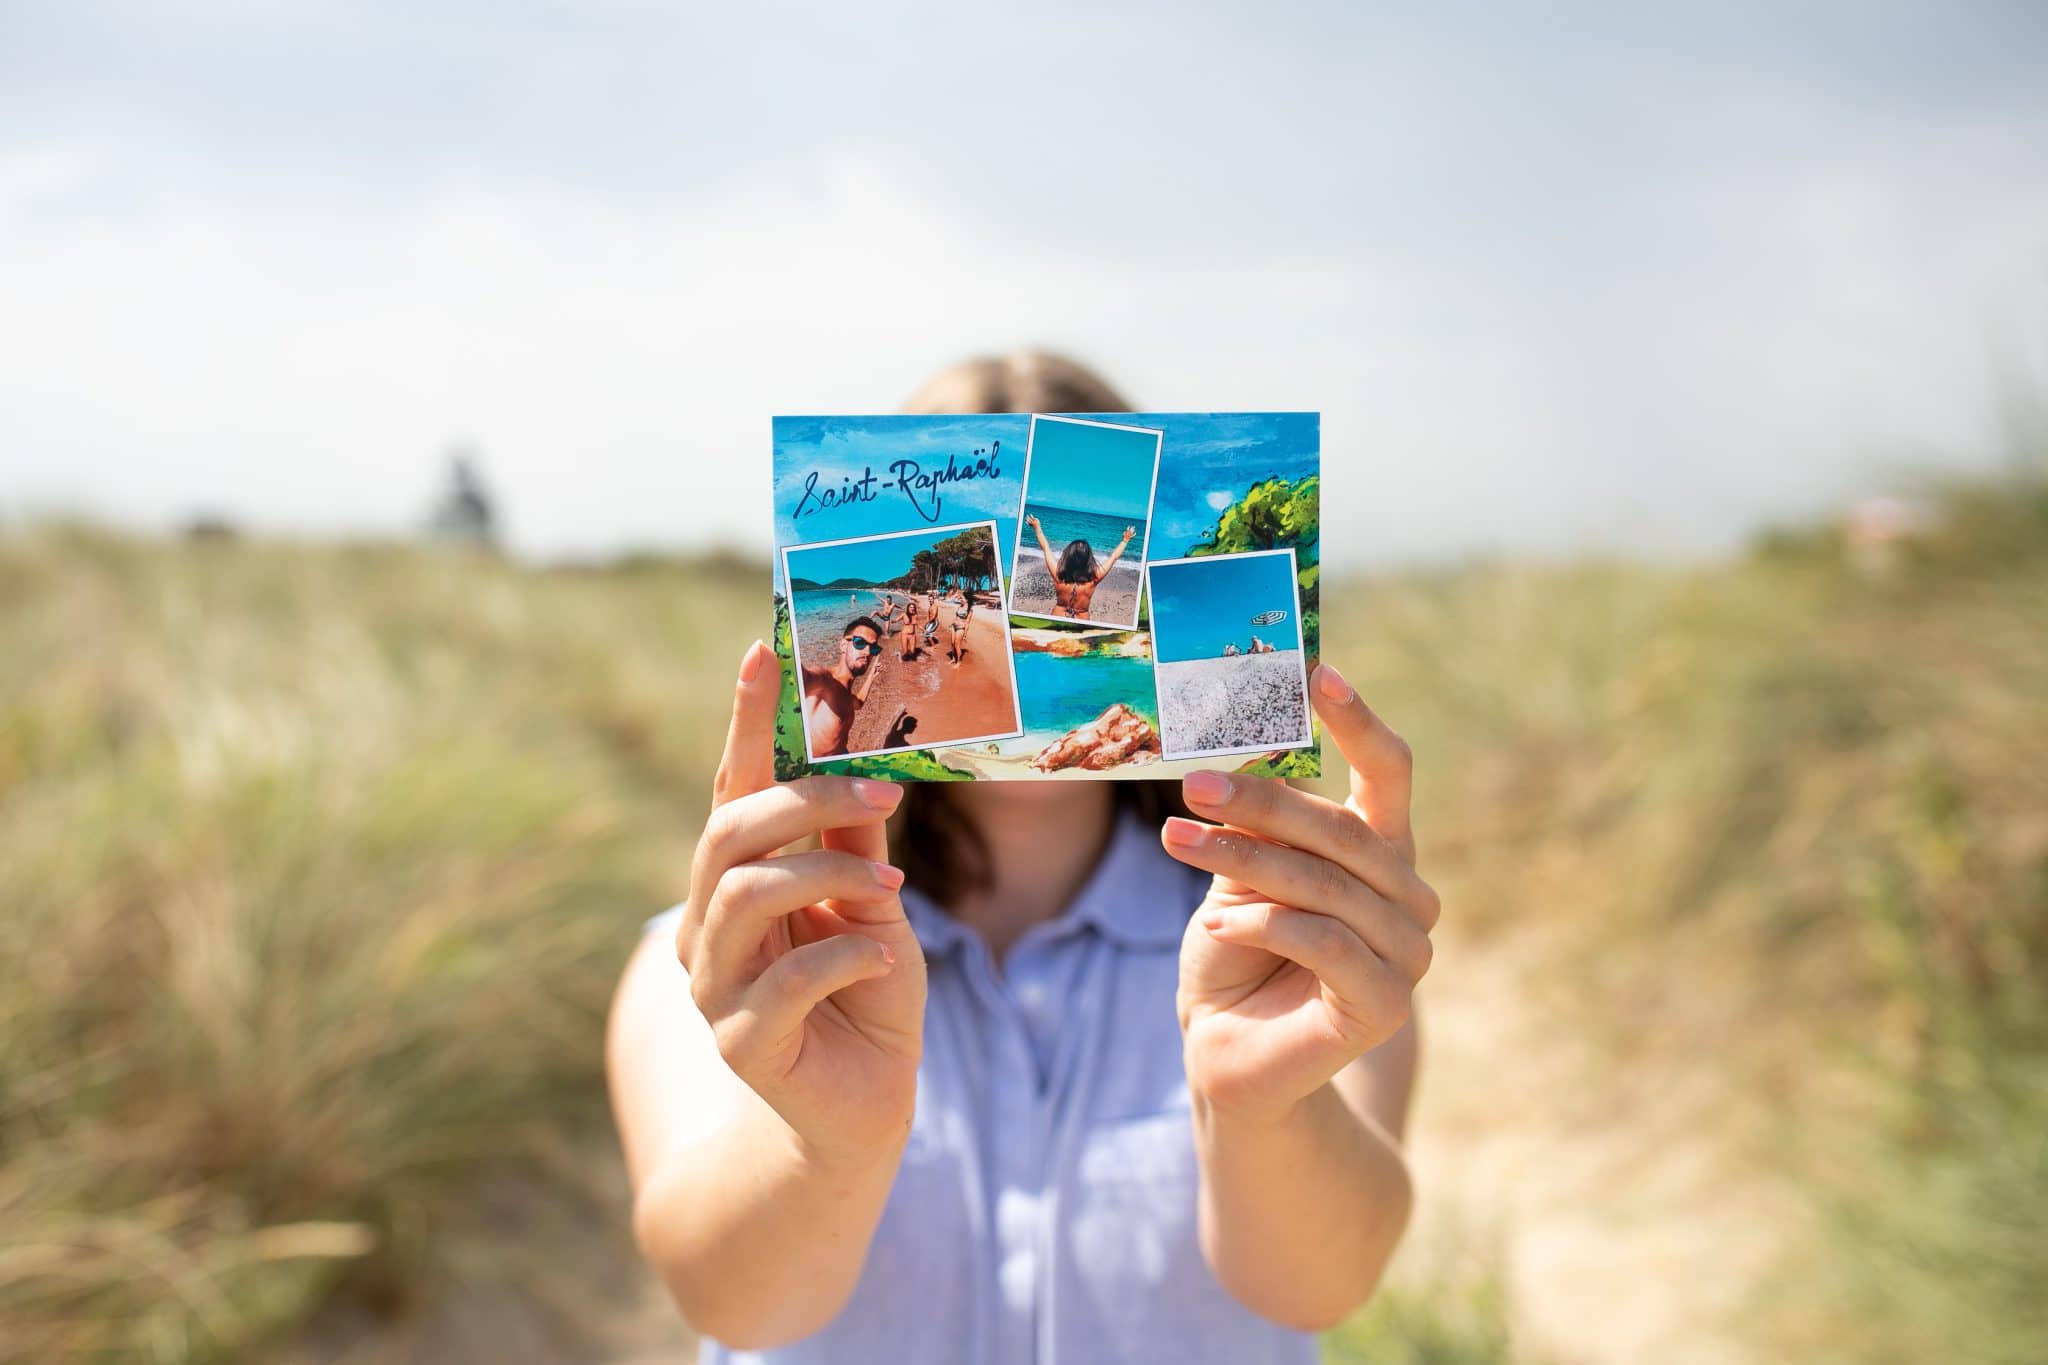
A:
1075	575
956	628
908	639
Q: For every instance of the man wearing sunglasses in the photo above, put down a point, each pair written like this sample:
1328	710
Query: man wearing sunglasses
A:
833	696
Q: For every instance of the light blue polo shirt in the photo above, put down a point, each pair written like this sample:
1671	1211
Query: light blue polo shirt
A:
1044	1213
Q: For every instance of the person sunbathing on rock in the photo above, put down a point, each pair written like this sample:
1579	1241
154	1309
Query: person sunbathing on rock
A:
1075	574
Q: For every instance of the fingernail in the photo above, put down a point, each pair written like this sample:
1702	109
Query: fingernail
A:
751	661
1184	833
1331	684
877	795
888	955
886	876
1206	788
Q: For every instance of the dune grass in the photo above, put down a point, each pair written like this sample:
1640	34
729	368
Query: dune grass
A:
318	864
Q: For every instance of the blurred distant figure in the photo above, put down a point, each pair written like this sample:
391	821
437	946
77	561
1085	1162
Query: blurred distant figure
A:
211	526
464	515
1877	530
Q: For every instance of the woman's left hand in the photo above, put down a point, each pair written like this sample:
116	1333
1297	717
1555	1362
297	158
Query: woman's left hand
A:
1316	928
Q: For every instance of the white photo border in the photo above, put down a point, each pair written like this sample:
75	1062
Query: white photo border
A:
1308	720
796	648
1158	435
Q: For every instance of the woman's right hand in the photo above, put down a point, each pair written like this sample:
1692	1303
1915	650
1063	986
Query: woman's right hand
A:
803	962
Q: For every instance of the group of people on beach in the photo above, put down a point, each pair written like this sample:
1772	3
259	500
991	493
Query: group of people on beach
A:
1258	646
834	695
923	616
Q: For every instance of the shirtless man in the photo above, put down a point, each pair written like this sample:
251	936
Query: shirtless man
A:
833	696
1075	575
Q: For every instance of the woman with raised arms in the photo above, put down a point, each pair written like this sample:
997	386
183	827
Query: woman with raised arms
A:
1074	572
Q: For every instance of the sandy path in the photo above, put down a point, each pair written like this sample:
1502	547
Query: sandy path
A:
950	703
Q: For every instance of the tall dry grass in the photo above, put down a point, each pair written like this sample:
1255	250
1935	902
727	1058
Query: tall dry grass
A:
317	865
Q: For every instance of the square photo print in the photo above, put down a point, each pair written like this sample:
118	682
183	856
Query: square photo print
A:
1085	521
1228	662
901	642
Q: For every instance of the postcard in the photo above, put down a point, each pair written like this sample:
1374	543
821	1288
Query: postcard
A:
1050	596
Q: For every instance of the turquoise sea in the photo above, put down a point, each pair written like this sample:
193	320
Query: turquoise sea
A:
1063	524
1060	693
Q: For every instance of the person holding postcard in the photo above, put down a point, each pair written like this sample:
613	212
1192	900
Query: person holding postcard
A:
1023	1072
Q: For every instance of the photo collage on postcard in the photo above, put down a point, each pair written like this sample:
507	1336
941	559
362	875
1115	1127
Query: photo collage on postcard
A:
1049	596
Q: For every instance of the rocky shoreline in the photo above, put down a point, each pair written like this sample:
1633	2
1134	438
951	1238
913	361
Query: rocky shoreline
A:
1247	701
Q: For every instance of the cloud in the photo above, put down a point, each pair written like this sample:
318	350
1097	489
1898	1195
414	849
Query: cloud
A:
1696	284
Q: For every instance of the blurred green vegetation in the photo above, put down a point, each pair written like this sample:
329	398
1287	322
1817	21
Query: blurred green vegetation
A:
318	865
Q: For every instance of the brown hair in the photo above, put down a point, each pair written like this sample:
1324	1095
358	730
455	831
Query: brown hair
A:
937	843
1023	381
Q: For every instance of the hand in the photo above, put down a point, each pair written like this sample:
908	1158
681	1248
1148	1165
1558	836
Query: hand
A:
1129	532
1031	521
804	963
1316	928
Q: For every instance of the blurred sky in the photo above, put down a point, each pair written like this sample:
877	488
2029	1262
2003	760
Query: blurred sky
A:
1633	277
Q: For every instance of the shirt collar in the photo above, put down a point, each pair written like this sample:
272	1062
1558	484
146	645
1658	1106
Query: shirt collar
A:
1136	896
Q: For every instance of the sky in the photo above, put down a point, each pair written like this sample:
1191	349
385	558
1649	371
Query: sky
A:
875	561
1092	467
1615	278
1200	604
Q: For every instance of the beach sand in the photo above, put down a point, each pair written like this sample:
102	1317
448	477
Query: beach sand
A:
1239	703
1115	602
950	704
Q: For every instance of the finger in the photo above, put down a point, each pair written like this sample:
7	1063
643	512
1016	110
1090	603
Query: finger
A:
1319	942
751	827
751	897
748	764
1318	825
1382	768
1302	880
778	1003
1366	989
